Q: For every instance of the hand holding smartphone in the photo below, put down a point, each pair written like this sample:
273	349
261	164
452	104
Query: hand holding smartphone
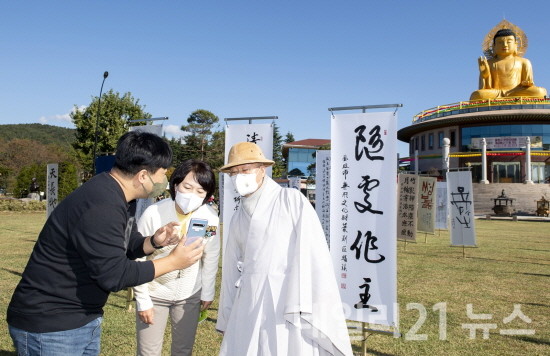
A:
196	229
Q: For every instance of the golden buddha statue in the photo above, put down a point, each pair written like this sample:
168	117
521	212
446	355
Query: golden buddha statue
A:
503	72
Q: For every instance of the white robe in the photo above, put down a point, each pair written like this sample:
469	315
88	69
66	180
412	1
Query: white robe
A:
287	301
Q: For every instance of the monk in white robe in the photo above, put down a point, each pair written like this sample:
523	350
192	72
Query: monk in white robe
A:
279	293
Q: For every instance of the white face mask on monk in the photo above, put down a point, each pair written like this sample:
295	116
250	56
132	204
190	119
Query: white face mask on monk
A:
188	202
245	183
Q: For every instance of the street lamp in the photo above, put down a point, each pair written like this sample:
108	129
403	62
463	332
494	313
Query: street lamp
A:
105	75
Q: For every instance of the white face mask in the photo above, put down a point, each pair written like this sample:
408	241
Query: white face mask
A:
188	202
245	183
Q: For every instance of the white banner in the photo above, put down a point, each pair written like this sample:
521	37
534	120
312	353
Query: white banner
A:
441	212
461	208
322	190
426	204
363	187
506	142
260	134
52	177
408	203
154	129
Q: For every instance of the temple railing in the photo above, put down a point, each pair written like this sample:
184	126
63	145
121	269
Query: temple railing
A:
464	107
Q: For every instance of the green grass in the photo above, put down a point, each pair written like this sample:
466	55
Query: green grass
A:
510	266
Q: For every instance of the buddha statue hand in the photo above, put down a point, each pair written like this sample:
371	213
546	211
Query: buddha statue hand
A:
485	73
527	83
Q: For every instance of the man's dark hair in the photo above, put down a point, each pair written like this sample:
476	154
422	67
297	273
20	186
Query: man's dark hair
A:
203	173
503	33
142	150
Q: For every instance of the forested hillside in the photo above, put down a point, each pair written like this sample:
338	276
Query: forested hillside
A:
44	134
26	149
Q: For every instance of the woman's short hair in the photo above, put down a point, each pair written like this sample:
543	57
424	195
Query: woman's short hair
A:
203	174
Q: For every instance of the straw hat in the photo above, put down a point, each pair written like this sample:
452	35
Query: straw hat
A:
244	153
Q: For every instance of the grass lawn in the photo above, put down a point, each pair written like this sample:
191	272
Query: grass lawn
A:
436	283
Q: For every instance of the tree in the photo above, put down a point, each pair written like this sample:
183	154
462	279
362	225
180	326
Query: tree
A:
67	179
216	154
312	168
114	115
17	154
289	137
179	153
296	172
25	176
201	125
279	168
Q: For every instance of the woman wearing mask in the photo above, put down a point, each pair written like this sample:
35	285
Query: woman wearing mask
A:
185	293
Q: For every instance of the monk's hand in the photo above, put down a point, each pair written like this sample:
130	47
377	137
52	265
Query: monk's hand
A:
169	234
205	304
146	316
187	255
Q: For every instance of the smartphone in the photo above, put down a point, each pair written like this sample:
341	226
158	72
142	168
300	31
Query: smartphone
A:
197	229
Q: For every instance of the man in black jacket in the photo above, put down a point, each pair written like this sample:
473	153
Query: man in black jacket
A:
86	250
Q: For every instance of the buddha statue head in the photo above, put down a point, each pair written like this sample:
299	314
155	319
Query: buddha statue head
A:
505	43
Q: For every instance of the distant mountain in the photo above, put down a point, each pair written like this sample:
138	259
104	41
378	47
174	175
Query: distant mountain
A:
45	134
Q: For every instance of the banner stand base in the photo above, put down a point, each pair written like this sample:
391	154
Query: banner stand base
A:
366	333
129	299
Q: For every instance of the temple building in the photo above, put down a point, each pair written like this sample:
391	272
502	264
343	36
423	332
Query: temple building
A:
507	112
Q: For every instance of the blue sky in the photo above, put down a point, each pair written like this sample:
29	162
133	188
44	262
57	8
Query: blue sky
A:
291	59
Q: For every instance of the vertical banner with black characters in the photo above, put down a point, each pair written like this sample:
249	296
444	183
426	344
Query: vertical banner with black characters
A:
461	208
363	206
407	207
260	134
441	208
52	177
322	190
426	204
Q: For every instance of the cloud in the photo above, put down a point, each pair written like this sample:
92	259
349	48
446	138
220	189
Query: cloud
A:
173	131
61	118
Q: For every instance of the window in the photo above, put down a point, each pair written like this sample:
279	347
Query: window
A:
440	137
416	143
506	172
453	138
431	141
540	172
423	143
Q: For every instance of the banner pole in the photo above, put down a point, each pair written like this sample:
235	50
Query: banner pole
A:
425	237
364	342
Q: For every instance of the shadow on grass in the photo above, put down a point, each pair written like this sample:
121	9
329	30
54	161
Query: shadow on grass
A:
357	351
120	295
532	249
116	306
535	304
530	339
507	261
22	233
535	274
7	353
12	272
